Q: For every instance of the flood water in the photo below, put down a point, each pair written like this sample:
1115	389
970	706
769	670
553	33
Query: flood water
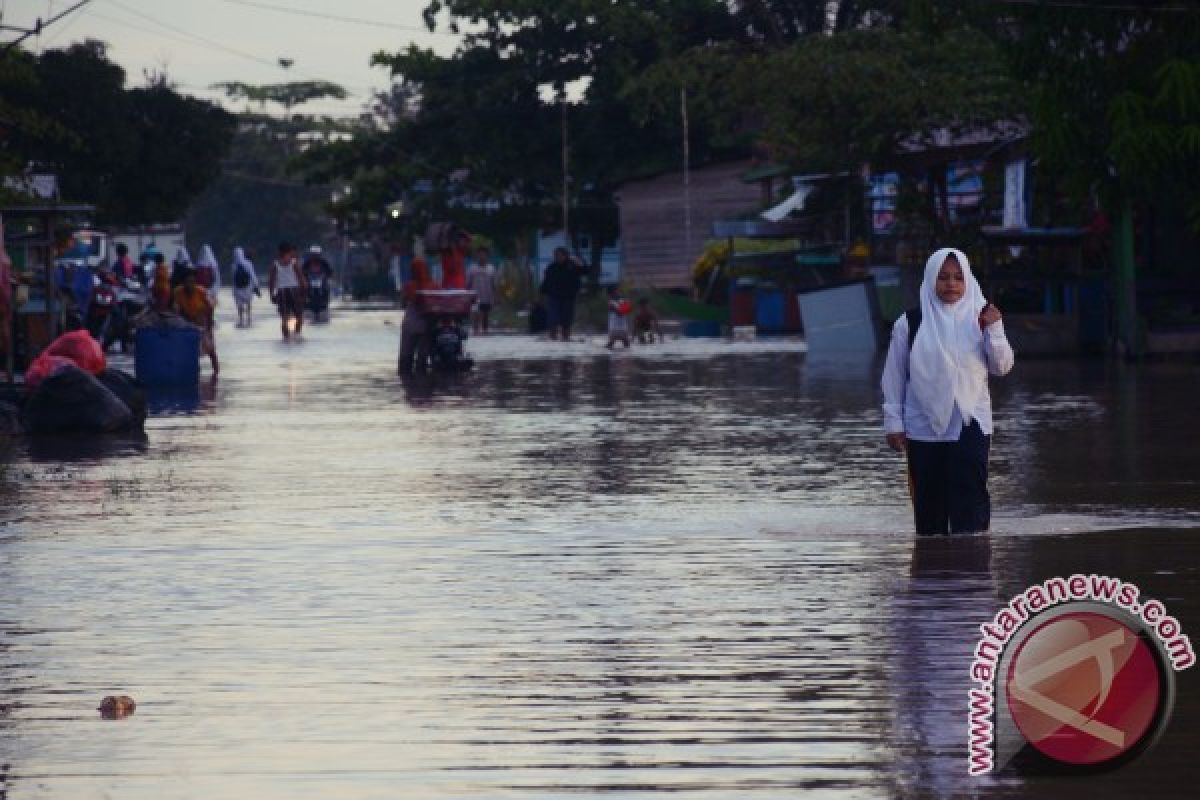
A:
683	571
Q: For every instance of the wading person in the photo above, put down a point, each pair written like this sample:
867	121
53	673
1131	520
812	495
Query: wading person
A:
413	347
288	289
208	273
936	406
618	319
560	285
481	279
645	323
193	304
245	287
180	268
160	283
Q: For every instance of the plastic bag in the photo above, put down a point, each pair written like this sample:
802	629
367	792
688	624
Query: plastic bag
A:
44	366
80	347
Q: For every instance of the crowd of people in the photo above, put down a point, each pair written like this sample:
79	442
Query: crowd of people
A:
936	410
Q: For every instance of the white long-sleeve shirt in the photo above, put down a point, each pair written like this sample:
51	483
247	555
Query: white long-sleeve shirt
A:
902	412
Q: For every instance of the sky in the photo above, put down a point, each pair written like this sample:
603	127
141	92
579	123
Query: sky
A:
202	42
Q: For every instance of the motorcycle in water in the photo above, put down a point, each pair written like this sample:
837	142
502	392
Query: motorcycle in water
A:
446	313
100	309
319	275
131	302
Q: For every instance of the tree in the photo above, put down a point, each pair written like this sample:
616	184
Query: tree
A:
182	141
138	155
484	127
20	123
288	95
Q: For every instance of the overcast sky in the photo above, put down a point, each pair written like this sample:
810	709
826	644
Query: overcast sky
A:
201	42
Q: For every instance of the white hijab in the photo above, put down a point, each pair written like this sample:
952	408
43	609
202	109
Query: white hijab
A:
182	257
207	258
240	260
946	364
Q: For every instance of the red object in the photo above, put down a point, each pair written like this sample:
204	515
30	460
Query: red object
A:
81	348
741	307
445	301
44	366
419	282
624	307
454	271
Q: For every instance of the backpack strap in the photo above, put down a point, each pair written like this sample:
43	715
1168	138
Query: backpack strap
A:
913	315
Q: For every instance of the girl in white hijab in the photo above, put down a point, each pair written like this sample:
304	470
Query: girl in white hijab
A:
208	272
245	287
936	407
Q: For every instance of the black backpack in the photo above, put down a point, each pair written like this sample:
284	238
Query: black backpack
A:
241	278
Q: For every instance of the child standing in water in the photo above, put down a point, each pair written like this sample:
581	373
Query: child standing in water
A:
936	406
618	319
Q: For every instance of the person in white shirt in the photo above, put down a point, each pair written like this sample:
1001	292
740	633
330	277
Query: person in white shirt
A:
482	280
288	286
936	406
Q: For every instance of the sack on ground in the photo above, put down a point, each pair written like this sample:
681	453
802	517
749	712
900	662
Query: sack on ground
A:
128	390
160	319
73	401
10	420
439	236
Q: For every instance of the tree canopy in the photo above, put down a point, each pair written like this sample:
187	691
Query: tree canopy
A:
1111	97
139	155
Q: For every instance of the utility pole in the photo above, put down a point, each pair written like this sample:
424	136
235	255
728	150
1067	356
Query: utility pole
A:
687	176
566	203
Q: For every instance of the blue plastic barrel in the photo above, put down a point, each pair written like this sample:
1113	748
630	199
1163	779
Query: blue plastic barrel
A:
768	311
167	356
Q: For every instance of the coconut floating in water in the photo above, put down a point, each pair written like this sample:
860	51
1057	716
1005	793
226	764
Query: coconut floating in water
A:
117	706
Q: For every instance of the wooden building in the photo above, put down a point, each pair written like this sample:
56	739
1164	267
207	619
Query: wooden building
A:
658	245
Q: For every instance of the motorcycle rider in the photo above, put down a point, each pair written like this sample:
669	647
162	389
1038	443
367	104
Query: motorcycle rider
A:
101	303
320	277
123	266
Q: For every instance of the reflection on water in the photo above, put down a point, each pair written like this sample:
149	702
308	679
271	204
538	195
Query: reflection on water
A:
685	568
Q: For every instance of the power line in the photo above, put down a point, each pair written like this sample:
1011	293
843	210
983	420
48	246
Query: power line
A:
58	33
186	39
338	18
41	26
196	36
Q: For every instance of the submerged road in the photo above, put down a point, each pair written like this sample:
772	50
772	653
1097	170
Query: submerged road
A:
682	571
